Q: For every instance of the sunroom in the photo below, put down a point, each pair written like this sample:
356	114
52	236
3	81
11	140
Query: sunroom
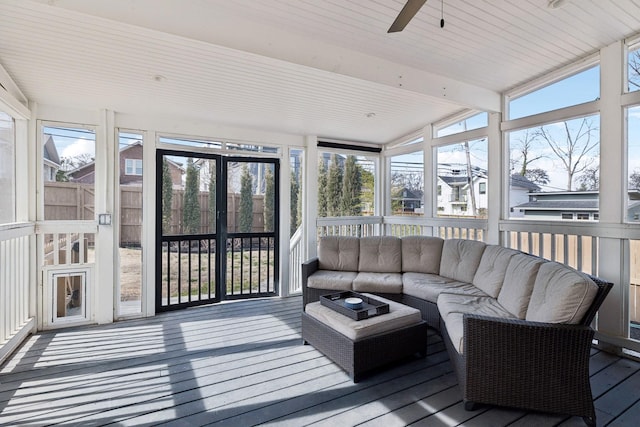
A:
161	155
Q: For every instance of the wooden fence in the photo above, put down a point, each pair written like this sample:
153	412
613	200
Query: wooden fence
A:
74	201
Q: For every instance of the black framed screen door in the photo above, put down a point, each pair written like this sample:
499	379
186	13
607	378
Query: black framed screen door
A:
216	228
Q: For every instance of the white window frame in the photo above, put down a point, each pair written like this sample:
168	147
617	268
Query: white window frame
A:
131	167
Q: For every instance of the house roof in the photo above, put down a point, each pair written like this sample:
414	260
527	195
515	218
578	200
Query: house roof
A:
293	67
560	205
520	181
50	151
454	180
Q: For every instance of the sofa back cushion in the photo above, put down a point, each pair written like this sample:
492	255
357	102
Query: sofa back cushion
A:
380	254
460	259
518	284
339	253
493	266
560	295
421	254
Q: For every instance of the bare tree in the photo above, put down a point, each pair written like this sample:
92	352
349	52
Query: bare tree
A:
70	163
634	70
573	148
525	146
634	180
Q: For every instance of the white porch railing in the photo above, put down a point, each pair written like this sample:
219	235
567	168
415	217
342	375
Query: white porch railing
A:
16	319
573	248
447	228
358	226
296	254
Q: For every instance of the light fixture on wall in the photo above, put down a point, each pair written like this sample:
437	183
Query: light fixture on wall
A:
556	4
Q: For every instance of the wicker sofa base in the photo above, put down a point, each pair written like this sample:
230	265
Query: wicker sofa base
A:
359	357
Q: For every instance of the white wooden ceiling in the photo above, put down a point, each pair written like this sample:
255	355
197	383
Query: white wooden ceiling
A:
310	67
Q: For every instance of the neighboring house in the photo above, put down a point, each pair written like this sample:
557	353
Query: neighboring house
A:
84	174
454	190
633	210
409	201
51	160
573	205
561	205
519	191
454	195
130	168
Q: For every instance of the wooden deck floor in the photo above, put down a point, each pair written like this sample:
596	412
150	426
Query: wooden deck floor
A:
241	364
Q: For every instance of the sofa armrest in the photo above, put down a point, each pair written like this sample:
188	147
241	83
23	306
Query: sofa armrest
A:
508	362
308	268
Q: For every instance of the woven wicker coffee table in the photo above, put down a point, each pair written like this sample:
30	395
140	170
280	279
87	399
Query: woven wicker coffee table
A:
359	346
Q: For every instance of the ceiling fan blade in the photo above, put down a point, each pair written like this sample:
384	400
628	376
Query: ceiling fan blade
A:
406	14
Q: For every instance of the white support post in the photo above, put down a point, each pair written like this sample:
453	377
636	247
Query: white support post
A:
310	196
613	315
430	176
495	187
149	223
285	220
103	282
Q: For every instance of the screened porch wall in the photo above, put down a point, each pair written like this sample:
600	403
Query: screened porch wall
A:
611	233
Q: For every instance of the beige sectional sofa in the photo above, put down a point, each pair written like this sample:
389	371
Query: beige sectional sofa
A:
490	303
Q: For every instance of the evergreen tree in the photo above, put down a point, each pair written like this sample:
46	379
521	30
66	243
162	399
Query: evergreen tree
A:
299	213
334	188
269	199
322	190
212	196
351	188
246	201
167	197
295	194
366	196
191	208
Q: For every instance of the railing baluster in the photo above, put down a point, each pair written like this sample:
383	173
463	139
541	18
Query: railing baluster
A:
250	265
541	245
579	253
269	273
168	273
179	272
260	264
594	255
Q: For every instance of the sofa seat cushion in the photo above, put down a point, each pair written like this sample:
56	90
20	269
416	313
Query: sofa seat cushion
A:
389	283
482	305
339	253
560	295
492	269
381	254
399	316
429	286
421	254
518	284
453	307
460	259
333	280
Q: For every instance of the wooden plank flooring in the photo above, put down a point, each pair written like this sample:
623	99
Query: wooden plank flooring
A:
242	363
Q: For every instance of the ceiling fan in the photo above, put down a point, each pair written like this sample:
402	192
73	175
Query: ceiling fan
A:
406	14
